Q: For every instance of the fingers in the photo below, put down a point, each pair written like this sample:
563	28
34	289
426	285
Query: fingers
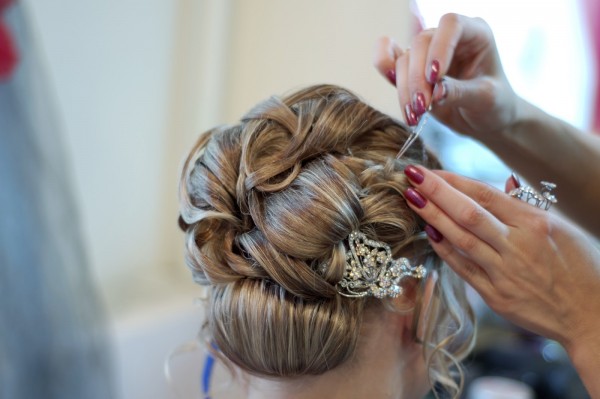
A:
472	93
469	271
418	73
405	69
414	92
418	89
464	242
442	46
432	53
464	202
507	210
402	63
389	59
452	30
421	75
386	53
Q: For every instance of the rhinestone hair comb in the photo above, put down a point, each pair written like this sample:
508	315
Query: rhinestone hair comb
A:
371	270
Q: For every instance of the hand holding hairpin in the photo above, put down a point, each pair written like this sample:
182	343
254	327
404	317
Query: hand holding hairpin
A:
416	131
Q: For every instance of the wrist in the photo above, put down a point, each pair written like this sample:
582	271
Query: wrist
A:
523	116
525	126
511	125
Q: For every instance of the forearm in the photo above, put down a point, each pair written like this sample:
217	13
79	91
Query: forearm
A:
541	147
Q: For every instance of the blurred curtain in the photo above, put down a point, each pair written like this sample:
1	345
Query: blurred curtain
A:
52	327
591	12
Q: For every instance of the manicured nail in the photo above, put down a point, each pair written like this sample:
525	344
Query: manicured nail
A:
414	174
419	104
415	198
434	71
440	92
515	179
432	233
391	75
411	117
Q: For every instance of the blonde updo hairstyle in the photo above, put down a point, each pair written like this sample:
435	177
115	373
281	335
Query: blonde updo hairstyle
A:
267	202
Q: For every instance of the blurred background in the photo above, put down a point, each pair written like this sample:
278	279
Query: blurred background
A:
99	102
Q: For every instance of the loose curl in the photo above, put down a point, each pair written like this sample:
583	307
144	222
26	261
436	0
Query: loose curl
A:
266	202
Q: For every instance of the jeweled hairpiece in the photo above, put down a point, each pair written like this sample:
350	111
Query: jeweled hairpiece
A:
371	270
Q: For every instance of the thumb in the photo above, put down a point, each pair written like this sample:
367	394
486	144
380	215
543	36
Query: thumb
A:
472	93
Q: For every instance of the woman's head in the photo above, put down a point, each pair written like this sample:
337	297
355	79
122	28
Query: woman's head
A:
268	205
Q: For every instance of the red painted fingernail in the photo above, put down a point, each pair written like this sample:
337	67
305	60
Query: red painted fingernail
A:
411	117
414	174
419	104
434	71
440	92
433	233
515	179
391	75
415	198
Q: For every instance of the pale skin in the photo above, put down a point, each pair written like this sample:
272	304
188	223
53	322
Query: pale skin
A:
531	266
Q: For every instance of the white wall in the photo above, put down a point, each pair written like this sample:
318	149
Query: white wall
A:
287	44
110	64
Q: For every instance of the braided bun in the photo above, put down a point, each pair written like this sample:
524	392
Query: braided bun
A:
268	201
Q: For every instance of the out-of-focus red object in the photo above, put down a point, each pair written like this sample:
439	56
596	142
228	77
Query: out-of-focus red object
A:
591	10
8	52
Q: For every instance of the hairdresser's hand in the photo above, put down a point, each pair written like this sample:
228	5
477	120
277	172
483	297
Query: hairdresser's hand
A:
456	68
529	265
